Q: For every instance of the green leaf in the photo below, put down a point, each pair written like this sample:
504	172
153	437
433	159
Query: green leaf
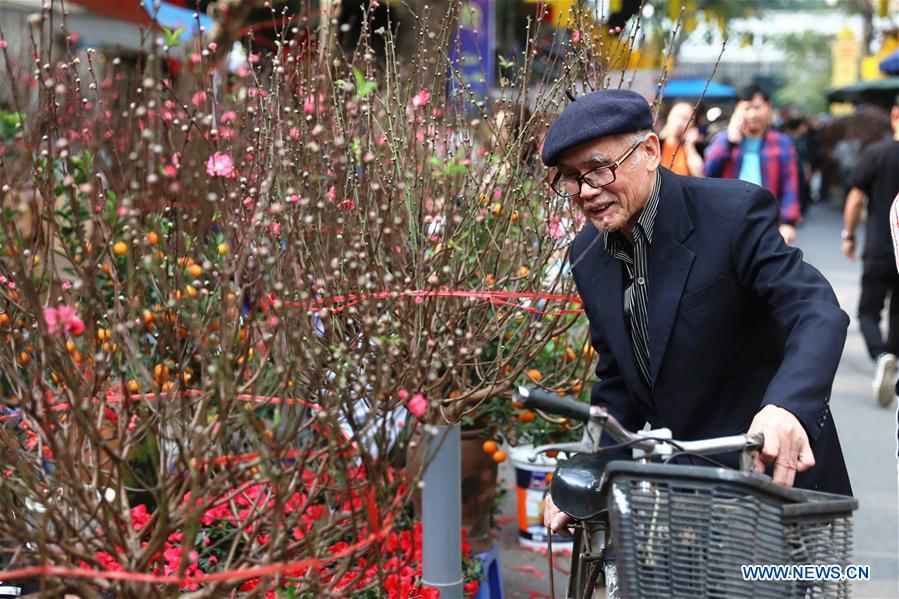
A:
171	36
363	87
456	169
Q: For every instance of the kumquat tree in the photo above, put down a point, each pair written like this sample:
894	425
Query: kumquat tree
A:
232	297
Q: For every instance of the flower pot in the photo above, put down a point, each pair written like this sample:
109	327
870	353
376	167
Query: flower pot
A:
479	480
531	484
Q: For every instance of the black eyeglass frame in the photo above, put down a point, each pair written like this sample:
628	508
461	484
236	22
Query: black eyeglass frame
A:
581	179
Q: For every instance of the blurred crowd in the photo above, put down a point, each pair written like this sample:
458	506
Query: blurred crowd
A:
826	147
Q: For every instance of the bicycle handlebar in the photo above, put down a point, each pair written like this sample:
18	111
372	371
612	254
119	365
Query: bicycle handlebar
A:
538	399
563	405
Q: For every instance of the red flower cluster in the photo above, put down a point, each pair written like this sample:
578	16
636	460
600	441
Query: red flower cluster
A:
394	566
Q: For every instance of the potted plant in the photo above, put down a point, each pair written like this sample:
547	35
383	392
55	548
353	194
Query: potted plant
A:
564	365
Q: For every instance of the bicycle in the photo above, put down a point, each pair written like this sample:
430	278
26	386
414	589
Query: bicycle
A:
649	528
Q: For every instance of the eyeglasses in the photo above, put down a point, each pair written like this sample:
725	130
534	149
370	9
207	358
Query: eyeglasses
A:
596	178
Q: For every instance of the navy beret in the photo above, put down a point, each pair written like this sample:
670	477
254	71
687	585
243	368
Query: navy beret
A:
598	114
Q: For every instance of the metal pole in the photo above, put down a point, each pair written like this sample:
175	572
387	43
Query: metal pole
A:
441	521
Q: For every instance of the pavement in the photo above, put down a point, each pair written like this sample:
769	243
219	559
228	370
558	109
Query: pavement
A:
867	432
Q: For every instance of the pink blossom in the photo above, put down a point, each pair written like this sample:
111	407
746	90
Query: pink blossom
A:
224	133
555	228
348	205
418	405
332	194
196	58
220	165
248	203
293	198
421	98
212	46
66	285
198	99
228	116
402	394
2	43
576	36
65	318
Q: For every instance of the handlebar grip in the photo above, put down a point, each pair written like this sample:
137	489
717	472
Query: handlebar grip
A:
538	399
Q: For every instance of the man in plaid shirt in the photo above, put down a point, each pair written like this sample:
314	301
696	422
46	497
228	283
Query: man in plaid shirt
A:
751	151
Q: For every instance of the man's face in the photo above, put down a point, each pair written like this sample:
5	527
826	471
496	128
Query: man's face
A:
616	205
756	116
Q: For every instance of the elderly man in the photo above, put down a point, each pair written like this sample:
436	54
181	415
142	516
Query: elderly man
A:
704	320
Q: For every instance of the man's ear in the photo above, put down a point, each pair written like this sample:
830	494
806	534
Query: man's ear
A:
653	149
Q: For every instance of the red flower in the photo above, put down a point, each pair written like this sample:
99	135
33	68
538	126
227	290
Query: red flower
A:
108	562
429	593
139	516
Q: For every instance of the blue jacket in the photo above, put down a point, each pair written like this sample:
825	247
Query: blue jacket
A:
737	321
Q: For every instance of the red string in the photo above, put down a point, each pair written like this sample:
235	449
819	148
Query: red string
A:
502	298
114	397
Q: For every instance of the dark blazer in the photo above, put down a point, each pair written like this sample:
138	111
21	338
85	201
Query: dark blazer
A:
737	321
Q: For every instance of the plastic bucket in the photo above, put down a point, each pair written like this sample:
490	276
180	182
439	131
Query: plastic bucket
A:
531	484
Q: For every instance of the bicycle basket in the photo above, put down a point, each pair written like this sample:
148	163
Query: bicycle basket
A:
685	531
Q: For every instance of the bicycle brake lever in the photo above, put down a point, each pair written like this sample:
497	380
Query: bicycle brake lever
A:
575	447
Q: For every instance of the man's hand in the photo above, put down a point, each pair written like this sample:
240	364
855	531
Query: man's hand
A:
788	232
849	248
554	518
786	444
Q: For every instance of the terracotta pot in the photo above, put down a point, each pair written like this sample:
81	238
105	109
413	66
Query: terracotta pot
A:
479	480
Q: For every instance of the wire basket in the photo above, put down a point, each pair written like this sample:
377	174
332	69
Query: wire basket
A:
686	531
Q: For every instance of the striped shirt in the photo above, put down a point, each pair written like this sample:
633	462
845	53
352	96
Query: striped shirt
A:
636	263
